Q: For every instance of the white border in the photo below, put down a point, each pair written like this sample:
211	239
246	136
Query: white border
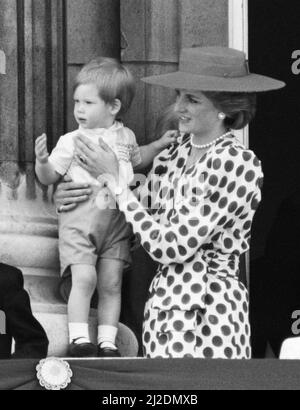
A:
2	62
238	39
238	24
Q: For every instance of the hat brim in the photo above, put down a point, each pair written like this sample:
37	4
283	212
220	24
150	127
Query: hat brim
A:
186	81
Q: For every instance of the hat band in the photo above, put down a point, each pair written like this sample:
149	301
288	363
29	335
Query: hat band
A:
227	71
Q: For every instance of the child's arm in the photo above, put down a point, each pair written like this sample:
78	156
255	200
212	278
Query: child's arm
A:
150	151
44	170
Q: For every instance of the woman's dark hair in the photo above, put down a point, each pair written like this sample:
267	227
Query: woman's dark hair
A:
239	108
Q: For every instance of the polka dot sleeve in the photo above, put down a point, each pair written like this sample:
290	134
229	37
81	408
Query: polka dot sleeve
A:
229	192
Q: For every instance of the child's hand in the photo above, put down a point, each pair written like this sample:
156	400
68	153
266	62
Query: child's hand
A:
41	150
169	138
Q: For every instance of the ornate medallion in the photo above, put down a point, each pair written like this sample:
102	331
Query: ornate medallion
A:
54	373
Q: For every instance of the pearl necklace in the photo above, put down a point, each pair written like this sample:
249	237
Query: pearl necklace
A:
211	143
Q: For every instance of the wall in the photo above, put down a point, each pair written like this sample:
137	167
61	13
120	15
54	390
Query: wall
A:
153	32
93	29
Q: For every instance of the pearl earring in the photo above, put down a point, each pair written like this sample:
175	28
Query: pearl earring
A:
221	116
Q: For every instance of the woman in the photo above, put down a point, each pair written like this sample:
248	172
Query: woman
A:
196	208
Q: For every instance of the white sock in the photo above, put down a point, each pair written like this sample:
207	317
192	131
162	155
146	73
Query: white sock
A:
79	331
107	336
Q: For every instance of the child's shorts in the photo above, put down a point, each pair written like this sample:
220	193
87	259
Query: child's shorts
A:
87	234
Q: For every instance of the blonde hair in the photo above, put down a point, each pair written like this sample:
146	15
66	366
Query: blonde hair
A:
113	80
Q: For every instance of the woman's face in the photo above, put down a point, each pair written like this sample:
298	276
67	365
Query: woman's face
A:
197	115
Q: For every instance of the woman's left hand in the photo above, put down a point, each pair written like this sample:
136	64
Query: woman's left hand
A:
96	159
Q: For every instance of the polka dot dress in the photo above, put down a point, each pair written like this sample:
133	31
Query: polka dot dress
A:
196	222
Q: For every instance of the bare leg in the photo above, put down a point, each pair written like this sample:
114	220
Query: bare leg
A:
84	281
109	287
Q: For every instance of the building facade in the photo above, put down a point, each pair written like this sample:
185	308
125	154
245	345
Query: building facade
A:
46	42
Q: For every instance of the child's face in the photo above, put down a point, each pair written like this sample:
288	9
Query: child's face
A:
90	110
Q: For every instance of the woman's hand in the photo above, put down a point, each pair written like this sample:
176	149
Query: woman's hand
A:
69	194
96	159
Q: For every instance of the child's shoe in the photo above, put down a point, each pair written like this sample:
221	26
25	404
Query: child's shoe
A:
82	349
107	351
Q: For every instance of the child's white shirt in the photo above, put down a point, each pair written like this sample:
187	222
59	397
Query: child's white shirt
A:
119	138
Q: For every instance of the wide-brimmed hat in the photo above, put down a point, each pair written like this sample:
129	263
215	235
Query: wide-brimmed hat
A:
214	69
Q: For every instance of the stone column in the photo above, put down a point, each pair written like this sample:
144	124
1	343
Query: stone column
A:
32	102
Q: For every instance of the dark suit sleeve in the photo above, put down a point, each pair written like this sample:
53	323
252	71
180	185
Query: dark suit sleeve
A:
30	337
11	280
